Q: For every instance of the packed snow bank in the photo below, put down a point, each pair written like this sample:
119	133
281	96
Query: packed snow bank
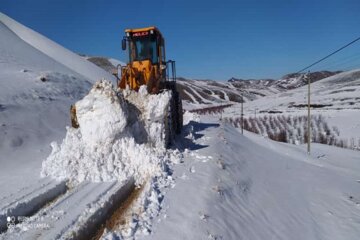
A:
117	138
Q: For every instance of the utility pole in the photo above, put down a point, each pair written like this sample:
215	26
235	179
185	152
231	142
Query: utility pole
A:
221	111
242	115
311	65
309	121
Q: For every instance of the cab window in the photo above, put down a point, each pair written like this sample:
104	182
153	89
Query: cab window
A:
145	49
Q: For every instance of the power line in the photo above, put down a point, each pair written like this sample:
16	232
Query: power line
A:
339	62
322	59
352	67
340	66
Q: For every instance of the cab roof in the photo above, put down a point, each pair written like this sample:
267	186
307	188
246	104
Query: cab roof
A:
135	30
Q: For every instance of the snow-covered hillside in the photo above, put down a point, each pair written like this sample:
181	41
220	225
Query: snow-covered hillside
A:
205	92
54	50
39	81
336	98
337	92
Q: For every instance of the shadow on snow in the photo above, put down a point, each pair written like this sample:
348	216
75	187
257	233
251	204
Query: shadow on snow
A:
190	133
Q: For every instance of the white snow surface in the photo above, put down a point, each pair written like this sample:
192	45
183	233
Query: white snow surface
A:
233	186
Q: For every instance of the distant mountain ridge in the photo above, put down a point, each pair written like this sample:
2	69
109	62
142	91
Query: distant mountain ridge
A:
234	90
288	81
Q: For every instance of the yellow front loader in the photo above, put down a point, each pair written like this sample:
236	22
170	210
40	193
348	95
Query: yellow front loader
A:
148	66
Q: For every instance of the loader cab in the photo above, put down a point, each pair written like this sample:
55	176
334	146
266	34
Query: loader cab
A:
147	63
145	44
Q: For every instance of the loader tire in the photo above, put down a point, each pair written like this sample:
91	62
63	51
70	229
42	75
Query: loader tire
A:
168	132
179	113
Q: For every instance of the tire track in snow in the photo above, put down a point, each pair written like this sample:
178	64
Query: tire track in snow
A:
25	192
78	214
119	217
30	200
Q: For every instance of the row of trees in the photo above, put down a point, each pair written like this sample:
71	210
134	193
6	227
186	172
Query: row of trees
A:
293	129
211	110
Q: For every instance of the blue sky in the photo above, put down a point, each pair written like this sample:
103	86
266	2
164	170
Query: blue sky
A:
208	39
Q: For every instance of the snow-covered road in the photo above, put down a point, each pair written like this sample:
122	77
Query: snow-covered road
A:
246	187
29	199
77	214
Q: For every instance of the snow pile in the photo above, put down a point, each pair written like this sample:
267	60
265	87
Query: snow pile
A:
101	114
153	109
112	142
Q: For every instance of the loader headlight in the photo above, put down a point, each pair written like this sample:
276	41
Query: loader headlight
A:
162	66
128	34
151	31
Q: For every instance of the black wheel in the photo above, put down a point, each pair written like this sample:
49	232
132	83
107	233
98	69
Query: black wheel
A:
179	113
167	132
169	124
174	118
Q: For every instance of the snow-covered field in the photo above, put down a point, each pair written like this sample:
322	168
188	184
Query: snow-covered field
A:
59	182
336	98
